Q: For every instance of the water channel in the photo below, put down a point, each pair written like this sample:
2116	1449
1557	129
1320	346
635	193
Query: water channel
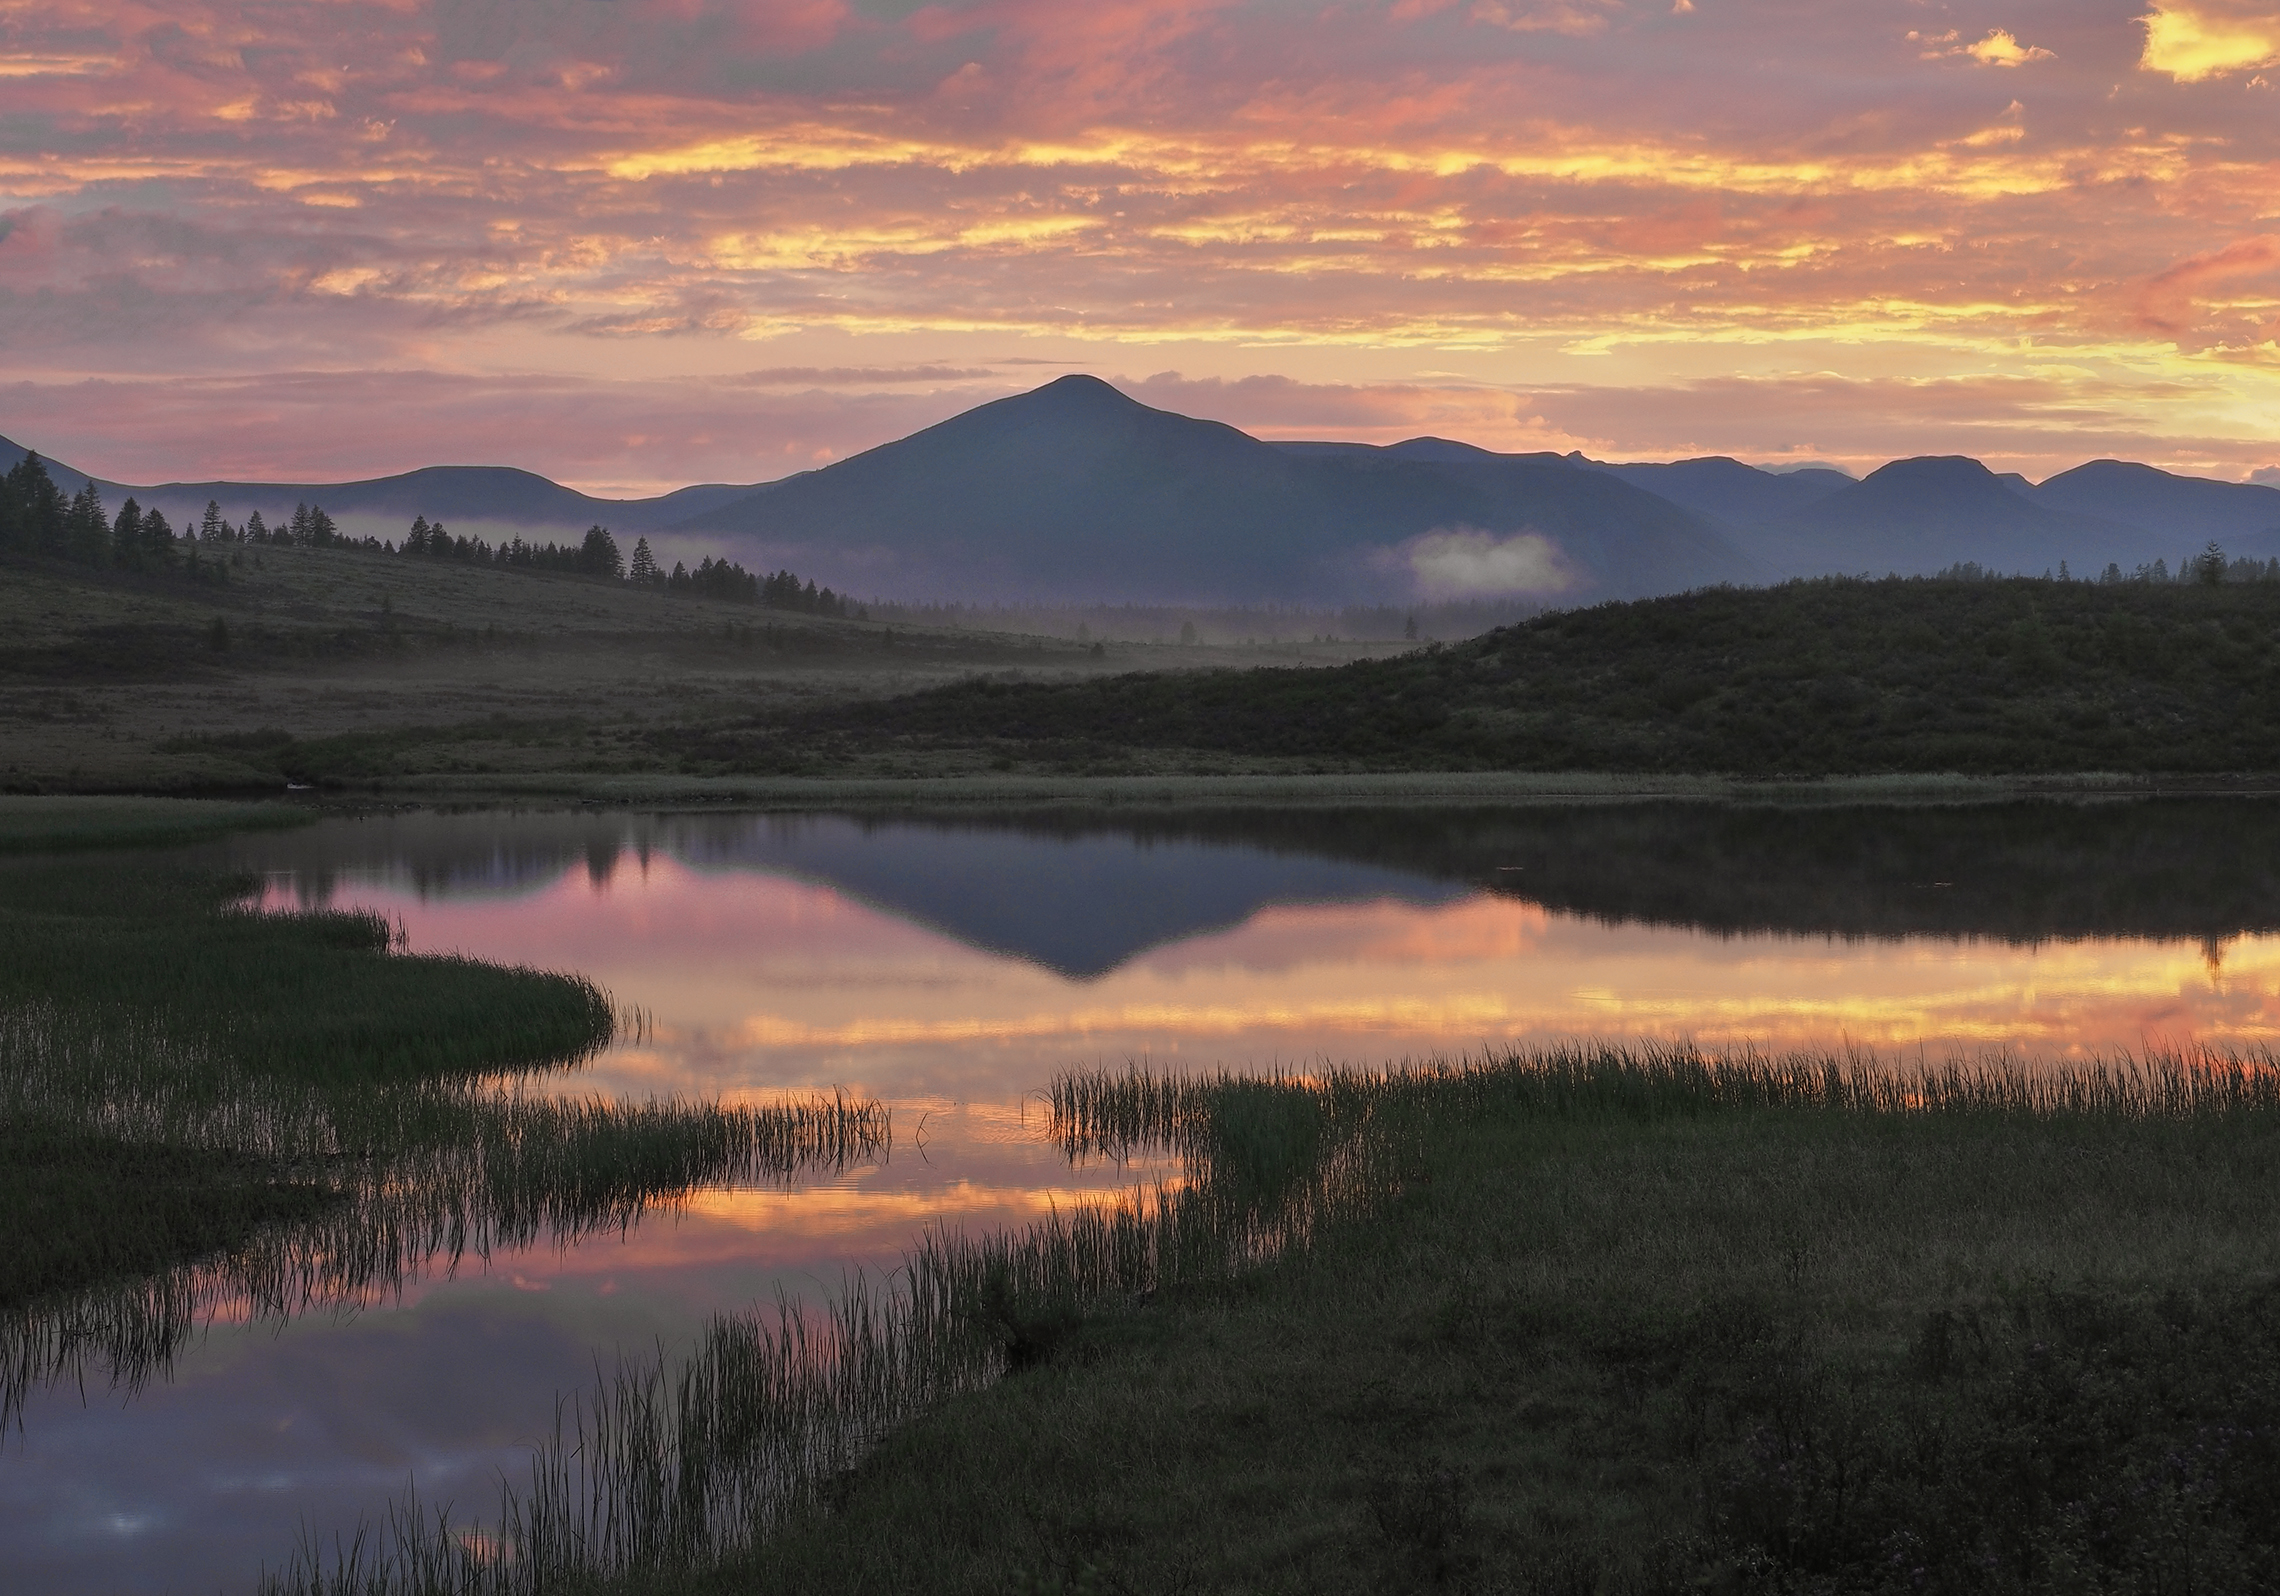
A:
948	966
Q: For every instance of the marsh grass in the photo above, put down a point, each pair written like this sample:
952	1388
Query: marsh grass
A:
685	1463
293	1197
208	1111
38	824
1628	1320
688	1464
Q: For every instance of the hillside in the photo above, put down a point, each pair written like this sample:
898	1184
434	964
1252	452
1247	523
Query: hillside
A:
1074	490
1915	517
1075	494
2243	516
469	496
338	664
1808	678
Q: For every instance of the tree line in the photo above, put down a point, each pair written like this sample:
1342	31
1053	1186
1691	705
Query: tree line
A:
2209	568
36	516
598	555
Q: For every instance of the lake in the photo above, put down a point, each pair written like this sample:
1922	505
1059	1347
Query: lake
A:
949	965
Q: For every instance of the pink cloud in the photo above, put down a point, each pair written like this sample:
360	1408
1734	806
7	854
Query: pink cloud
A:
1353	198
2174	300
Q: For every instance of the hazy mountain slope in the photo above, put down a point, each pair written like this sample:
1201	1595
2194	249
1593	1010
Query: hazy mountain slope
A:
2185	511
1076	491
1727	490
65	477
499	495
1914	517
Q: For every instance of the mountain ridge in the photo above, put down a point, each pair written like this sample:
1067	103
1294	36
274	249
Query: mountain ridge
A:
1076	492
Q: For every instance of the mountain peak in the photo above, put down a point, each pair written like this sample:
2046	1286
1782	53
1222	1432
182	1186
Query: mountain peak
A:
1934	470
1082	388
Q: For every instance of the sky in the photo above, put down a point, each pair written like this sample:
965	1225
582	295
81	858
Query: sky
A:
638	243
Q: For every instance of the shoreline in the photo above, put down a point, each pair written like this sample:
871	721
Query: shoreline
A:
1367	788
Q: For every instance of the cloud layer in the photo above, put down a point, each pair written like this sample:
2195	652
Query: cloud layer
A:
634	242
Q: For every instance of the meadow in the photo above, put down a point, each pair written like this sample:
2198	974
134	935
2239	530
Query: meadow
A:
203	1104
1827	677
342	666
1579	1320
348	670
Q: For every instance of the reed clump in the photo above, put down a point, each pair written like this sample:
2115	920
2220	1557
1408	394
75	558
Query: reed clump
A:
1600	1318
684	1464
207	1108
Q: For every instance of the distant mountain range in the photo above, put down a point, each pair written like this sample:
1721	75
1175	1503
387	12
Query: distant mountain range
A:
1074	492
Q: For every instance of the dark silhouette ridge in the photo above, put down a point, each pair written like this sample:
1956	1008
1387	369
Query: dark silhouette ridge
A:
1075	492
2243	516
1916	517
1718	486
1074	489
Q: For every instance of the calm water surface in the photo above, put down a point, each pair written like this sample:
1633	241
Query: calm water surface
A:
950	968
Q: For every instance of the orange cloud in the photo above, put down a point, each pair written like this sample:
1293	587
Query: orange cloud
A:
2000	48
2195	40
1398	223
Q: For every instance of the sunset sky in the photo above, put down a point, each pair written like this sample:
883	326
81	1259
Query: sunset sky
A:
636	243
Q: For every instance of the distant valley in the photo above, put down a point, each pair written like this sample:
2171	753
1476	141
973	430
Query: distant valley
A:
1076	494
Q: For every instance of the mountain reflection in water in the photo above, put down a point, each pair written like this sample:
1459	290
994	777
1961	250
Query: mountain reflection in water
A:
876	947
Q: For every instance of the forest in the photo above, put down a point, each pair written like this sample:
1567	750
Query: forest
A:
37	518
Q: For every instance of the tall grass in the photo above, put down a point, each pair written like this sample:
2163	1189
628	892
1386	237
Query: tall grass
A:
678	1465
683	1463
1122	1112
417	1173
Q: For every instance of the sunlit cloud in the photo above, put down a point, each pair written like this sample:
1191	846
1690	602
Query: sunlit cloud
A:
1350	222
2000	48
2195	40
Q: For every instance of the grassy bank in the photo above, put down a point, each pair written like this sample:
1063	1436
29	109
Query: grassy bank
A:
204	1104
350	670
337	665
1588	1321
1826	677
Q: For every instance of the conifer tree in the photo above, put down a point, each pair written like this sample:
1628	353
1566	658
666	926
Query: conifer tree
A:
211	527
320	531
32	510
297	530
157	540
644	567
256	530
86	530
126	535
598	555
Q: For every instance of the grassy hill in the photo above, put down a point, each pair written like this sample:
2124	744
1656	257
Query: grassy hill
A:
343	665
1822	677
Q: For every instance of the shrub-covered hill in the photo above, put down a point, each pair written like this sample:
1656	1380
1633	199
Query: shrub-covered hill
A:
1814	677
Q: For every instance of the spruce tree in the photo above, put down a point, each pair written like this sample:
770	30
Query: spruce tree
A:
126	535
211	527
256	530
86	529
644	567
32	509
157	540
598	555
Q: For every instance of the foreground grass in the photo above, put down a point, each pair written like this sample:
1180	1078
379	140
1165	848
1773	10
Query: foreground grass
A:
1627	1343
1596	1322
